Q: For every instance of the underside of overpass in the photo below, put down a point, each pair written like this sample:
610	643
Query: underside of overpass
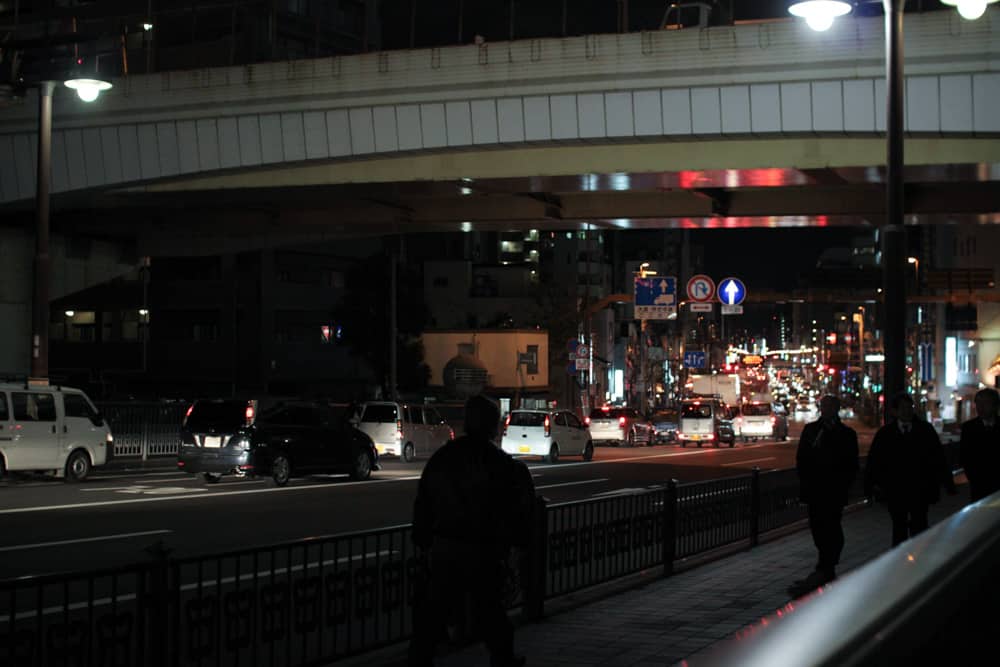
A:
639	185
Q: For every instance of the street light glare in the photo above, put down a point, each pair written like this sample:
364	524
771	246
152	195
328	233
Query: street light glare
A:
969	9
819	14
88	89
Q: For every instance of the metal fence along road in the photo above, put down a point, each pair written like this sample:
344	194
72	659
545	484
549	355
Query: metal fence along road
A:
312	601
142	430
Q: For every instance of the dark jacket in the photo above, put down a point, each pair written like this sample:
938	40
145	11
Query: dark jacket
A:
979	453
473	494
909	468
827	462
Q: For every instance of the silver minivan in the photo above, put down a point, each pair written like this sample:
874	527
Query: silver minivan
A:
48	429
404	430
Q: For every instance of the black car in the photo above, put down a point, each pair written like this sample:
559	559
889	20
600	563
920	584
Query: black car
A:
228	437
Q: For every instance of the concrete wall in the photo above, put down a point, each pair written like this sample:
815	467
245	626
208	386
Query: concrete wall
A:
76	265
498	350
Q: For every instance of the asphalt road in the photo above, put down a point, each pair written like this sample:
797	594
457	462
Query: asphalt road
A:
49	526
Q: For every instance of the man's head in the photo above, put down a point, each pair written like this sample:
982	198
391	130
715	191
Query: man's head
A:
829	407
902	407
987	402
482	417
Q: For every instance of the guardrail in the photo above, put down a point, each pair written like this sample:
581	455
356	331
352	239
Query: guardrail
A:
320	599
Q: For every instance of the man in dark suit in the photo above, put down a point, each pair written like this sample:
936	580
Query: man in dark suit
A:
827	463
979	449
907	464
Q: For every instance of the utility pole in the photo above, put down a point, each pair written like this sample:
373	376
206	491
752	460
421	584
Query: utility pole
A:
40	304
393	333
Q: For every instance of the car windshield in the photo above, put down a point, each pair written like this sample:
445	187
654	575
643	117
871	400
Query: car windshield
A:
697	411
527	418
380	414
665	416
217	415
756	410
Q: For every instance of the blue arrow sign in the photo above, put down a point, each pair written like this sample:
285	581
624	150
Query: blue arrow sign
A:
694	359
655	297
732	291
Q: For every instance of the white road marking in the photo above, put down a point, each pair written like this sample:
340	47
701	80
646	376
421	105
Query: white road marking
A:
284	489
739	463
102	538
585	481
215	494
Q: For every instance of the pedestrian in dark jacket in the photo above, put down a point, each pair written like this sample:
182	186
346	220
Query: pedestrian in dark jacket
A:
979	449
907	464
827	463
473	505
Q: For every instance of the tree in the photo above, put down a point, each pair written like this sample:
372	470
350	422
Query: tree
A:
364	316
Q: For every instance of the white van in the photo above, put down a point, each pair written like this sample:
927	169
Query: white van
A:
53	430
403	430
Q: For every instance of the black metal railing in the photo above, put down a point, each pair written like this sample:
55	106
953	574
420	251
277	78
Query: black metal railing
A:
315	600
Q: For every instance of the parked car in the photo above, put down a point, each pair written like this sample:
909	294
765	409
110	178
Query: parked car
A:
761	420
705	420
228	437
546	433
624	426
665	425
404	430
49	429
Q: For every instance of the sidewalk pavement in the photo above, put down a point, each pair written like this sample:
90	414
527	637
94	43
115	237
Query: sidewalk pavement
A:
680	617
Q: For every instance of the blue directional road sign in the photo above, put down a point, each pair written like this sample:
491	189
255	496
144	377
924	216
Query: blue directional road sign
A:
732	291
655	297
694	359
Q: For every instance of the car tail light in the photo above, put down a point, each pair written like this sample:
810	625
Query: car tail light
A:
586	421
621	422
180	464
739	421
451	434
506	423
399	429
710	436
547	429
188	413
774	420
249	414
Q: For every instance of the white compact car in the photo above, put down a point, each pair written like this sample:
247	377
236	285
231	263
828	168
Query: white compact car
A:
546	433
403	430
53	430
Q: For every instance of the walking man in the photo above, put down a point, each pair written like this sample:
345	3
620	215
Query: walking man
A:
827	463
979	449
907	464
473	505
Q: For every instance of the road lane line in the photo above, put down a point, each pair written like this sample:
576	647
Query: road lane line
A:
284	489
102	538
739	463
585	481
548	467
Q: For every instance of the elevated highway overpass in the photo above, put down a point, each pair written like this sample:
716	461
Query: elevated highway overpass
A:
765	124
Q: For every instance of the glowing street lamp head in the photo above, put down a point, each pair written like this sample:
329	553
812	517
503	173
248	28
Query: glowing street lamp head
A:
88	89
969	9
819	14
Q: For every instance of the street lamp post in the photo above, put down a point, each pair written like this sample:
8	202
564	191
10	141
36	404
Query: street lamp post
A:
40	303
820	15
88	91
